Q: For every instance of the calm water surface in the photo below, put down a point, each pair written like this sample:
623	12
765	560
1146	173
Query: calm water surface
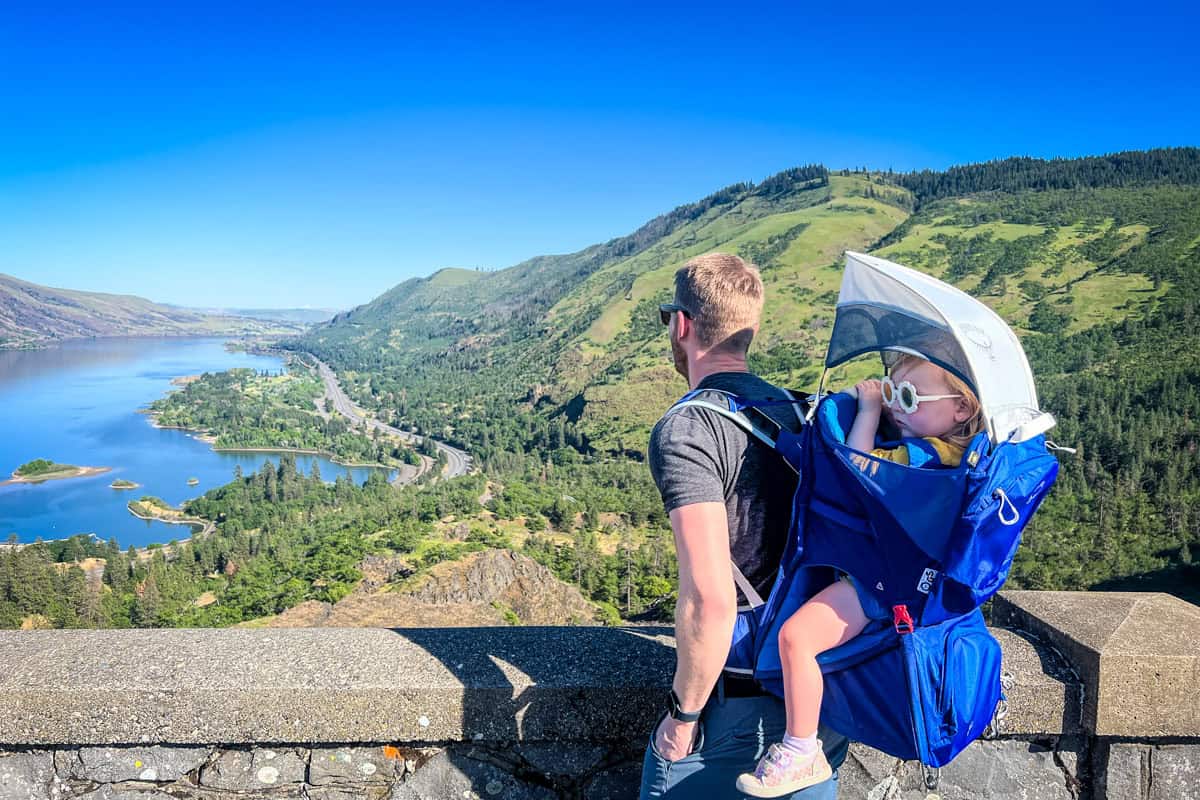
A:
77	404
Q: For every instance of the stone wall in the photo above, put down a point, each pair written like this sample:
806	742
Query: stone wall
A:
1103	704
292	772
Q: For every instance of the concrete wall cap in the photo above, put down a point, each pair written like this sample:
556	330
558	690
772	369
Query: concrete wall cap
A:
341	685
1137	654
196	686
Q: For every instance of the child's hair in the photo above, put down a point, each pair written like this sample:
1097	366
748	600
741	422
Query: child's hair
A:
962	433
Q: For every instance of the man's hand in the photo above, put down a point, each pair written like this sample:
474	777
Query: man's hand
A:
674	739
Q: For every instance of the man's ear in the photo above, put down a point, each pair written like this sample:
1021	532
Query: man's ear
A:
683	326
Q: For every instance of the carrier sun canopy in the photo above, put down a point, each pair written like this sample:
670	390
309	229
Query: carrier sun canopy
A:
884	307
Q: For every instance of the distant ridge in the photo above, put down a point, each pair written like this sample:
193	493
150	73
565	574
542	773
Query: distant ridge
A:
299	316
1168	165
32	315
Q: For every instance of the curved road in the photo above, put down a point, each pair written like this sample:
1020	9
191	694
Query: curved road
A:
457	462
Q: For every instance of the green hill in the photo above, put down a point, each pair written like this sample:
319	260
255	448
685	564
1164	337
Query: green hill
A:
615	373
575	338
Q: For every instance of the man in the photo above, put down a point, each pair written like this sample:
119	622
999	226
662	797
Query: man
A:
729	499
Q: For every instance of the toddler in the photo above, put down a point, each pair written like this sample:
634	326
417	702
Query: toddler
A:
922	401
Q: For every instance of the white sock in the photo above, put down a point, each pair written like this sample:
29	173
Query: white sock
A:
804	746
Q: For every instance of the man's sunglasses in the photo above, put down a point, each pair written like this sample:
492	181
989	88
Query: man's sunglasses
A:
667	309
904	395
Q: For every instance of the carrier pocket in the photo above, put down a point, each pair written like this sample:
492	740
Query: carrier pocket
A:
987	535
953	672
865	696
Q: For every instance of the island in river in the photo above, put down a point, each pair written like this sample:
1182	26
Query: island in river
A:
42	469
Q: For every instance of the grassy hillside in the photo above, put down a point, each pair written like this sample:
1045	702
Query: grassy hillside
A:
1093	261
575	338
615	374
33	315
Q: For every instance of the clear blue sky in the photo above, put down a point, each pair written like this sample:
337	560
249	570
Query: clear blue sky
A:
245	154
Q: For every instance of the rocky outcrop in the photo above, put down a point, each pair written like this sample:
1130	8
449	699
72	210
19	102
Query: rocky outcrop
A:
378	570
504	577
493	587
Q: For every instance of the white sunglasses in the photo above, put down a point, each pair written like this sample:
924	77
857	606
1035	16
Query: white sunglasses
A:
904	395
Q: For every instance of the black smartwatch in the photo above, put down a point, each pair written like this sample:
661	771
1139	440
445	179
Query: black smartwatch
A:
677	712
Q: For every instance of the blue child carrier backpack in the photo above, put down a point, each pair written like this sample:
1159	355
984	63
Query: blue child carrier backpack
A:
928	544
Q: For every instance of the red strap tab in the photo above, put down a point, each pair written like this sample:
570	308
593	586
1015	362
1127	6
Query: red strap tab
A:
901	621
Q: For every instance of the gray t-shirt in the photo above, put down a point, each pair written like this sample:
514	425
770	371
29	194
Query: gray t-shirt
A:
698	456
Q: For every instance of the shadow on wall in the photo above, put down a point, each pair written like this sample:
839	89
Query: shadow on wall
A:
599	689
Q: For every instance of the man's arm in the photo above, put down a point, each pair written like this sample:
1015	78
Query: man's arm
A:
704	616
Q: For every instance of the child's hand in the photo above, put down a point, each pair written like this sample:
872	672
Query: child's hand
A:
870	396
870	406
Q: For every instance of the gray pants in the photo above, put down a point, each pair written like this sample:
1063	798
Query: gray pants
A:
734	733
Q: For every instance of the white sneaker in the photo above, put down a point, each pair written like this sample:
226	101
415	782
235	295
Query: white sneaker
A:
782	771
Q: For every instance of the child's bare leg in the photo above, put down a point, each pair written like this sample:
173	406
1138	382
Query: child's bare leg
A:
833	616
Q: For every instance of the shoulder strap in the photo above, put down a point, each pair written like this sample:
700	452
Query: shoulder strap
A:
748	591
734	411
737	417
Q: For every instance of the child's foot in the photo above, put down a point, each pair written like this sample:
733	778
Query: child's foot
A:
782	771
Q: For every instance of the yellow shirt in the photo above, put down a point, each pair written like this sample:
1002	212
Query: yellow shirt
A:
949	454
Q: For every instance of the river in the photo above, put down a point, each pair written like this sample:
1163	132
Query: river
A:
77	403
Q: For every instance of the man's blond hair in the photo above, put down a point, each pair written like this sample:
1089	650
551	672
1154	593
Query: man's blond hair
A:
725	296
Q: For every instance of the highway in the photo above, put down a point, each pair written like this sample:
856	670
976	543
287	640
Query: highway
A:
457	462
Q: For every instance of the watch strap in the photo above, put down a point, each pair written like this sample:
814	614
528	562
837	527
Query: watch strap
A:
677	712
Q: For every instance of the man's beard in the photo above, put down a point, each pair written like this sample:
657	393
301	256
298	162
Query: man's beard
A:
680	359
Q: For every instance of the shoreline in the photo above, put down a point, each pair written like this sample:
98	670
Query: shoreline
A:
198	525
195	433
195	522
229	337
303	452
210	440
77	472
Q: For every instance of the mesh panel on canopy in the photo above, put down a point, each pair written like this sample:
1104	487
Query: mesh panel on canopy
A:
883	306
861	329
